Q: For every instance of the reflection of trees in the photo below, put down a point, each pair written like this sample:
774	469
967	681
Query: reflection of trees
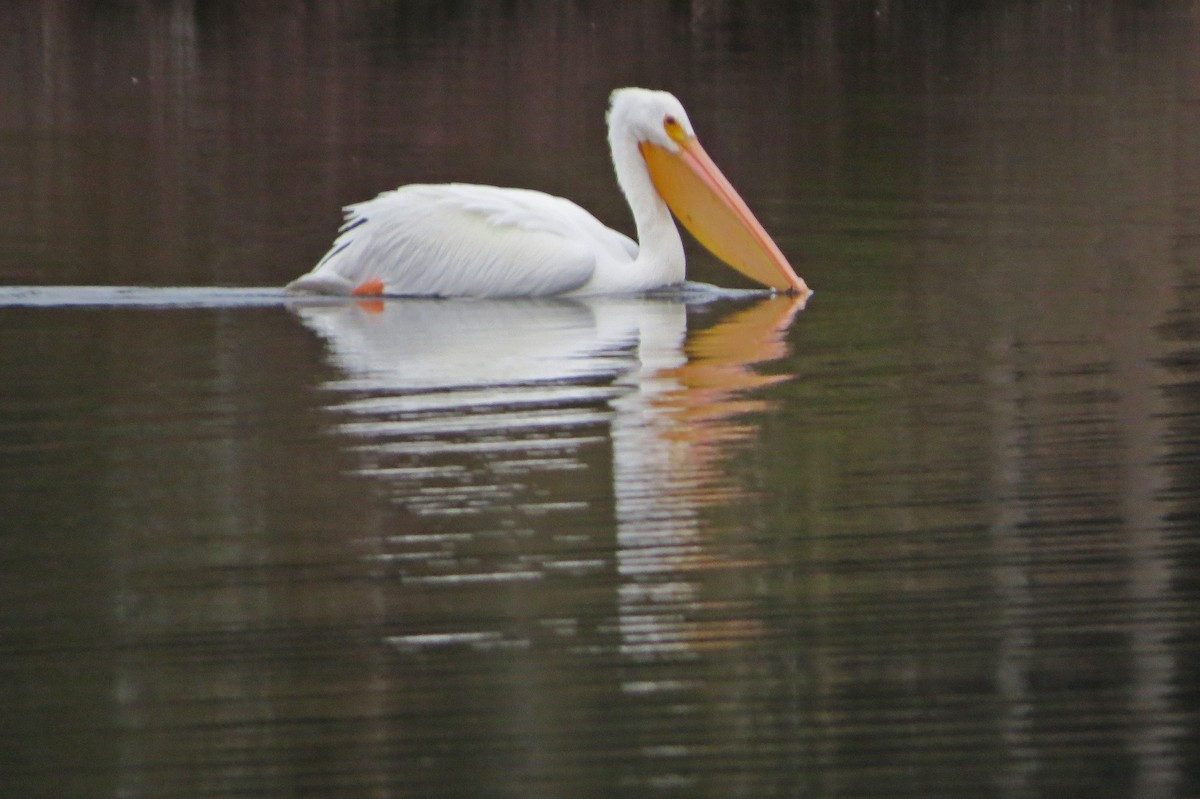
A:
1050	198
217	140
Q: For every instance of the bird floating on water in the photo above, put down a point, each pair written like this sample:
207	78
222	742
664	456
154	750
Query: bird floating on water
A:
462	240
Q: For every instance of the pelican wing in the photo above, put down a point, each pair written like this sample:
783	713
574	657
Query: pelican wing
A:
464	240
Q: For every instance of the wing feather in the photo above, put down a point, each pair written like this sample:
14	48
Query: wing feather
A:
463	240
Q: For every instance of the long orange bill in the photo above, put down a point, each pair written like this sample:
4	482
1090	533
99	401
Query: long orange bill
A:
702	198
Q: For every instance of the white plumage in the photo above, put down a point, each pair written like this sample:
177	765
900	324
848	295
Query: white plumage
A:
456	239
482	241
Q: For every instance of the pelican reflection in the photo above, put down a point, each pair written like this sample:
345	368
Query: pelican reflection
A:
514	436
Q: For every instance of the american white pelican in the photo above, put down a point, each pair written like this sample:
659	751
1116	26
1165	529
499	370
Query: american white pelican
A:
459	240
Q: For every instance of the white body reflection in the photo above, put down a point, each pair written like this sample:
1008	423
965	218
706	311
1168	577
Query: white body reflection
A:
513	434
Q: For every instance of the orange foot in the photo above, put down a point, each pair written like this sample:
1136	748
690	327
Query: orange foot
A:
372	288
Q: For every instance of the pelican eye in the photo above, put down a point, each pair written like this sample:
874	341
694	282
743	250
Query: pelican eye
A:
673	128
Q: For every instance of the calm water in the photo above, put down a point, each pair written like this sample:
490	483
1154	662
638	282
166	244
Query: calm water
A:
936	534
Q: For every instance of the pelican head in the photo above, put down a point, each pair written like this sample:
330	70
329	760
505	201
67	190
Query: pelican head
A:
660	162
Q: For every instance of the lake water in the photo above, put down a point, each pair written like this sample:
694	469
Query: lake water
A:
935	534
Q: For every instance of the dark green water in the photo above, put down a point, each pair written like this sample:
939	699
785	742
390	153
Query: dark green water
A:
936	534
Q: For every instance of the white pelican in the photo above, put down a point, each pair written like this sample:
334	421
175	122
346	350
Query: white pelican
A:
459	240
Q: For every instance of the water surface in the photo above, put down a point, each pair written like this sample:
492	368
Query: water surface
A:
932	535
